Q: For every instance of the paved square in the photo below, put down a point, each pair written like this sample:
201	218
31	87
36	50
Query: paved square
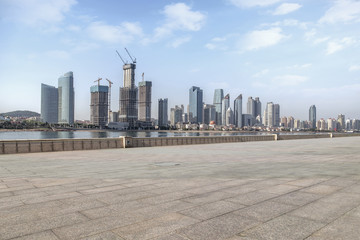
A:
296	189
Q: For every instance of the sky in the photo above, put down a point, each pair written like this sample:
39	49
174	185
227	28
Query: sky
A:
292	52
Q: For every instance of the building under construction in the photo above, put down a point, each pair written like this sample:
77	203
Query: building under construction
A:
145	100
99	105
128	111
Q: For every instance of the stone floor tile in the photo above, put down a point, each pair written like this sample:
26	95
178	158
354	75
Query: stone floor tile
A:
321	189
251	197
265	211
51	197
280	189
297	198
172	236
210	210
104	236
306	182
345	227
18	230
283	228
102	189
341	182
208	197
221	227
46	235
155	227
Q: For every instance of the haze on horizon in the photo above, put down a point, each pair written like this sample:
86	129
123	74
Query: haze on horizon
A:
295	53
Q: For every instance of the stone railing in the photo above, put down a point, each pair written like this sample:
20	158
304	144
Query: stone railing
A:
50	145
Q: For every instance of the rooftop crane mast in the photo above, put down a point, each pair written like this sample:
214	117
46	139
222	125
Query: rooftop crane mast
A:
121	57
133	60
98	80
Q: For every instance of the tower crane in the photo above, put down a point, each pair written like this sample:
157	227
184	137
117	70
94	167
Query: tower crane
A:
110	83
133	60
121	57
98	80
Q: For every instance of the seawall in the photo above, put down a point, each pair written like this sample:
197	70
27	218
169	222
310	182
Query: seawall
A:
51	145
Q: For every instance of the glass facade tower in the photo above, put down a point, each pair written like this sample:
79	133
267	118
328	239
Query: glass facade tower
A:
66	99
218	96
196	104
49	104
312	116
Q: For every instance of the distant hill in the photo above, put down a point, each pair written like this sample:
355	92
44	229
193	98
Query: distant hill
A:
21	113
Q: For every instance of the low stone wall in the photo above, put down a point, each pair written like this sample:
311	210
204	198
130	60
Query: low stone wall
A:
50	145
170	141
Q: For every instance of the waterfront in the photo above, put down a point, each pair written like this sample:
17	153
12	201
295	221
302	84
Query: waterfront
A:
36	135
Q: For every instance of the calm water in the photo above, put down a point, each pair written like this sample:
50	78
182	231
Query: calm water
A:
108	134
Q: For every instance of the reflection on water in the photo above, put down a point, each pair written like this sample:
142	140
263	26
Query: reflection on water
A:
108	134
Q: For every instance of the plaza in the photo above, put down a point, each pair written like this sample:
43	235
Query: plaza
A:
295	189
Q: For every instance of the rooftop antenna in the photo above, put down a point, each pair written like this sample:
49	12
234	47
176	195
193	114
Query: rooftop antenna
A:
121	57
143	77
132	59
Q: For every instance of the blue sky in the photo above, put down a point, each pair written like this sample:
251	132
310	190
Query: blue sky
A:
295	53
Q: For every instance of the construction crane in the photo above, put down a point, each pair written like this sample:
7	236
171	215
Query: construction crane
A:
98	81
133	60
110	83
121	57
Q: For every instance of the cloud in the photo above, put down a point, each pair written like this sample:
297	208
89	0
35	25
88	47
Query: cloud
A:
300	66
179	16
218	43
335	46
261	73
289	80
123	33
35	12
179	41
262	38
342	11
286	8
59	54
353	68
253	3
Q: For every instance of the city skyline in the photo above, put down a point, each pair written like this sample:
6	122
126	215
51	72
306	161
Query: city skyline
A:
297	60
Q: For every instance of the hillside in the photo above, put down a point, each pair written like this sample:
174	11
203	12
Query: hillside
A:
21	113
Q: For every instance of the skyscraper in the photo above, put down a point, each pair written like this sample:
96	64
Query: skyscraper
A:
196	104
218	96
229	117
128	111
224	107
341	122
276	115
163	112
175	115
99	105
66	99
312	116
209	113
251	107
270	114
238	111
145	101
49	104
257	109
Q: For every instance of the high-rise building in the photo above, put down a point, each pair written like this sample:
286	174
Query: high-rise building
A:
163	112
209	113
257	110
312	116
128	111
270	114
218	96
66	98
276	115
175	115
195	104
284	122
99	105
49	104
145	101
238	111
229	117
225	104
341	122
251	107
